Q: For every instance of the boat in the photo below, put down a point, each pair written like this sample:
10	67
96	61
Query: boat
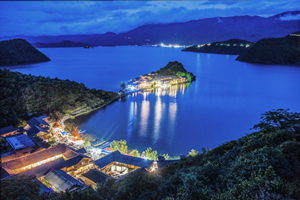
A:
98	142
88	47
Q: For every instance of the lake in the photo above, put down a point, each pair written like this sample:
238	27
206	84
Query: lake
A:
226	100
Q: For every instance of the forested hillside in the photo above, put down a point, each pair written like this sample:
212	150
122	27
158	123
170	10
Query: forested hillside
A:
284	50
19	51
23	94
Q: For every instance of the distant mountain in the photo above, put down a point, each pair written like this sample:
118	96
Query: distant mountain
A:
231	47
285	50
19	51
65	43
250	28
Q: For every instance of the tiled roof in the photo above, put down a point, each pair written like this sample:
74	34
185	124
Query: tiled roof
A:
7	129
116	156
61	180
39	156
96	176
42	170
20	141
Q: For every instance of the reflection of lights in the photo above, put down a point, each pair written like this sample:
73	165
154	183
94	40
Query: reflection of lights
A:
130	120
157	118
144	116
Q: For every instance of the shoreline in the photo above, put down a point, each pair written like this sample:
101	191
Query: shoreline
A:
84	111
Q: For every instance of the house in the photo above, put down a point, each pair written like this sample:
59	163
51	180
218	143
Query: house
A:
8	131
43	157
183	79
61	181
116	164
38	127
21	144
94	177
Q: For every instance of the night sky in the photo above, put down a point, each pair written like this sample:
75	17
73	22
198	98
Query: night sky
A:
94	17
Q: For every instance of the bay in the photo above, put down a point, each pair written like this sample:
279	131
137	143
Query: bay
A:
226	100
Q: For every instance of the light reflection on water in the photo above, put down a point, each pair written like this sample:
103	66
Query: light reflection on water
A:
144	115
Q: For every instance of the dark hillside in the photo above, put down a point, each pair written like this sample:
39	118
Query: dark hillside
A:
284	50
230	47
19	51
23	94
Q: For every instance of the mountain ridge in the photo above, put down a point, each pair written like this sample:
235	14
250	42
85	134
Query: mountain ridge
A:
251	28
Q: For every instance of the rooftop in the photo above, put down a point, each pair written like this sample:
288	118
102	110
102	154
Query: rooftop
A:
20	141
18	163
61	180
116	156
96	176
7	129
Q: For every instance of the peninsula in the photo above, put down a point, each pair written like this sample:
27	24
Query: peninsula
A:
65	43
19	51
285	50
21	94
172	74
230	47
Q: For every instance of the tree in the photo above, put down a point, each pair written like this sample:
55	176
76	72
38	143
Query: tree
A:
122	86
278	120
166	156
20	188
135	153
193	153
119	145
150	154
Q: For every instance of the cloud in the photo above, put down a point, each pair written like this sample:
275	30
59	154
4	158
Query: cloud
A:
290	17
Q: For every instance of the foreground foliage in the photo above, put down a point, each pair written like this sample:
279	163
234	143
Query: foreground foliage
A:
22	94
262	165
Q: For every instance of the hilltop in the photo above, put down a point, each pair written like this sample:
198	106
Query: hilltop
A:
19	51
231	47
285	50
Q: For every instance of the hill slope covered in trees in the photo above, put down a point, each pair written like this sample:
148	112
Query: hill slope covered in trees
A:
230	47
262	165
23	94
19	51
284	50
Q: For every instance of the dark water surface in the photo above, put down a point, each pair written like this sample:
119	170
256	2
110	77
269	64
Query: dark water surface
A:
224	102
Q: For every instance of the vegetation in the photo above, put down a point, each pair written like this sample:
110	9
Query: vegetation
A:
135	153
21	94
193	153
20	188
19	51
187	74
262	165
122	86
150	154
119	145
231	47
284	50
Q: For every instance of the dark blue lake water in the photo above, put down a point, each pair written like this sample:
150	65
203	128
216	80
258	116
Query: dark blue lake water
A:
225	101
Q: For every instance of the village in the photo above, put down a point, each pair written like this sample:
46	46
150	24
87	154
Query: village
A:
154	80
62	160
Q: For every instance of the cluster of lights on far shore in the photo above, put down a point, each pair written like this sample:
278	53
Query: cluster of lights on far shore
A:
169	45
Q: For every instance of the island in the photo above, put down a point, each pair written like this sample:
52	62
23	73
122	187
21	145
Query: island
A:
230	47
172	74
19	51
285	50
65	43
